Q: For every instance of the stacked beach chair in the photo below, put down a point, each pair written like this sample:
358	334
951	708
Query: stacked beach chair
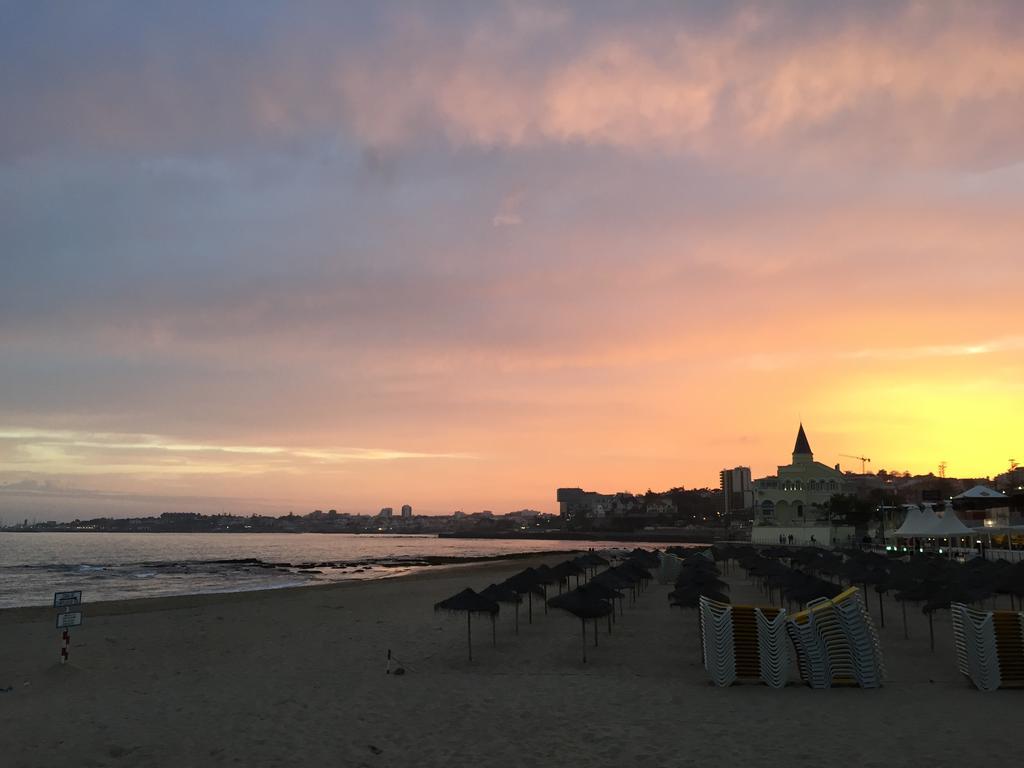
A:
989	646
744	643
836	643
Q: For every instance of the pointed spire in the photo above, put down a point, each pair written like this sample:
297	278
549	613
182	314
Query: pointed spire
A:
802	447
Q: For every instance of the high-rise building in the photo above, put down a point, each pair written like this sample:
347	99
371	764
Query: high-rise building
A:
737	490
406	511
385	512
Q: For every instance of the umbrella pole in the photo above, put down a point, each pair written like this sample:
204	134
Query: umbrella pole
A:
595	632
931	631
529	596
469	633
610	622
545	587
903	603
583	625
494	633
881	610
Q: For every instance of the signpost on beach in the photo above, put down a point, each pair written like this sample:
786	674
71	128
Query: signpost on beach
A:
67	618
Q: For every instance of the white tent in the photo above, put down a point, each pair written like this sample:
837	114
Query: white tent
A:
918	522
947	525
980	492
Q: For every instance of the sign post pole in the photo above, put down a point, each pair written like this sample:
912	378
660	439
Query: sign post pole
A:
67	619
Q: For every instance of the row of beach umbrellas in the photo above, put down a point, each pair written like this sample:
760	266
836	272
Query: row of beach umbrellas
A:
801	574
592	598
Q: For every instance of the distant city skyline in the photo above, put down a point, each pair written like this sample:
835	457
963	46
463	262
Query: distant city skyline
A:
266	258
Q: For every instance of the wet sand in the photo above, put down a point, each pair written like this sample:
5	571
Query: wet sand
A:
296	677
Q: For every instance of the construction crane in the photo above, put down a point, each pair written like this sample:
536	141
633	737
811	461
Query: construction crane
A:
862	459
942	468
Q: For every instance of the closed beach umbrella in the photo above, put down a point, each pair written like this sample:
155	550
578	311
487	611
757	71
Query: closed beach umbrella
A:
583	606
469	601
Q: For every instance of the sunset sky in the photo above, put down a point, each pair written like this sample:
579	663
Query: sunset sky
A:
262	256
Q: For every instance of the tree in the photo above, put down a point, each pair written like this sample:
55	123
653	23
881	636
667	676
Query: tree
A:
852	510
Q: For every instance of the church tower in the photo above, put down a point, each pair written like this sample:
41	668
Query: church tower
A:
802	450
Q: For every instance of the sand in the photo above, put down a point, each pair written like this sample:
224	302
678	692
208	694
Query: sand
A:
296	677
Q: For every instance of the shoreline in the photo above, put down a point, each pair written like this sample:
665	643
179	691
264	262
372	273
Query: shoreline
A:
134	605
699	537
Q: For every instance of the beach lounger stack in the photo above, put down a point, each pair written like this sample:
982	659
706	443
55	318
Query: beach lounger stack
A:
868	665
811	650
836	643
718	642
744	643
989	646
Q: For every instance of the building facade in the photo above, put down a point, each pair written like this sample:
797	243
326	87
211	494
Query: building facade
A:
406	511
798	494
737	491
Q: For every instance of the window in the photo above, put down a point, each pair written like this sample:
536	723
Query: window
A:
767	509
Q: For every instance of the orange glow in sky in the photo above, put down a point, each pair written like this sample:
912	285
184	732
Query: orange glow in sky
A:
379	256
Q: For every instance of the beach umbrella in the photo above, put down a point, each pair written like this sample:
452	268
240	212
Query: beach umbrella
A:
545	577
583	606
590	561
638	574
528	582
689	596
946	594
469	601
616	581
702	579
565	571
603	592
643	558
502	593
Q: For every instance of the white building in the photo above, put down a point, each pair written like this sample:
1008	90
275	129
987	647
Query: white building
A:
793	503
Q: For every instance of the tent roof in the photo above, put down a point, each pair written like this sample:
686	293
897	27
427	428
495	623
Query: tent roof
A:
917	522
980	492
947	525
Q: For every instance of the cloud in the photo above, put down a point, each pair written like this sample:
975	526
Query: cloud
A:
989	347
67	451
924	84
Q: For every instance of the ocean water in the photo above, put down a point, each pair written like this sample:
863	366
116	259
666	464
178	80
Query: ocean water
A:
114	566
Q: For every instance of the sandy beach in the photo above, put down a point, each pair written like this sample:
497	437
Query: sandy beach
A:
296	677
